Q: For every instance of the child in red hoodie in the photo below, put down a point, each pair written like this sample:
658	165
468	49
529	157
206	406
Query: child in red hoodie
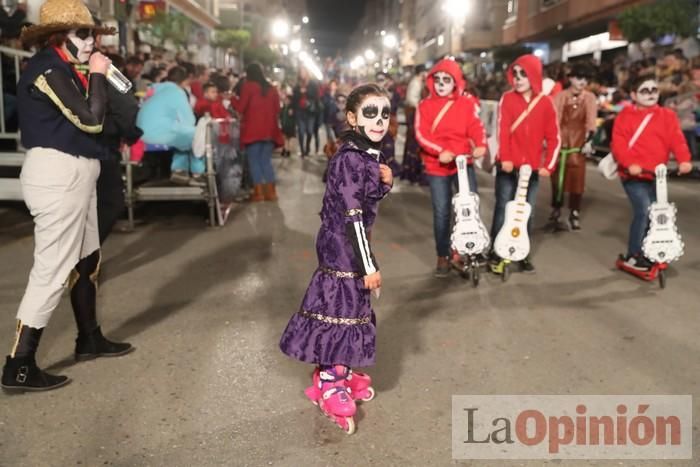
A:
447	125
527	129
660	136
213	104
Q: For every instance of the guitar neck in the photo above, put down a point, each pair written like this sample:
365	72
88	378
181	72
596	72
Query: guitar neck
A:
462	167
661	189
523	183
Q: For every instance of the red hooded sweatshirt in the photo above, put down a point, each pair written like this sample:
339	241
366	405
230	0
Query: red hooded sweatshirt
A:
661	136
539	129
460	129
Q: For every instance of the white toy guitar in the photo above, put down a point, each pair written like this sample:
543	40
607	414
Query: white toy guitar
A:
512	242
663	243
469	235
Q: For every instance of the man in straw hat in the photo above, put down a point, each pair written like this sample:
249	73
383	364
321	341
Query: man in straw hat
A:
60	113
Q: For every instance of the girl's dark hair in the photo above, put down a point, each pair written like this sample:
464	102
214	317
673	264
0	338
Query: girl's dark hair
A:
359	94
254	72
56	39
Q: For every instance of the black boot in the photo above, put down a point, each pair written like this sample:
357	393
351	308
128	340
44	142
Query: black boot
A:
21	373
94	344
83	296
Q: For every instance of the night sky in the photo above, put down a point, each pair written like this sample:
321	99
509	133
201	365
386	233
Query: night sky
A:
332	22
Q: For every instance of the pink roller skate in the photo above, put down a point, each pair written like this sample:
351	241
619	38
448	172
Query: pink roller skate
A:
360	385
330	392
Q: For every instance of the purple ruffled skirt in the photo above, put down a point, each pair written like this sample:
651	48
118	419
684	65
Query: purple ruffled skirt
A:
335	324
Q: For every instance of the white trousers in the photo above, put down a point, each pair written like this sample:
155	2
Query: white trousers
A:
59	190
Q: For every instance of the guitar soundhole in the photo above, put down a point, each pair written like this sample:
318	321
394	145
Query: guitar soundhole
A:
511	250
662	219
662	254
466	212
515	232
470	245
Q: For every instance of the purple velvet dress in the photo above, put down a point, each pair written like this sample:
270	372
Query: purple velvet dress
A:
335	324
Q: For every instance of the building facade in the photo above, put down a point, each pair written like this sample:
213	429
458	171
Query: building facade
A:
579	27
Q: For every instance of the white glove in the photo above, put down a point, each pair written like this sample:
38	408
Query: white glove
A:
588	148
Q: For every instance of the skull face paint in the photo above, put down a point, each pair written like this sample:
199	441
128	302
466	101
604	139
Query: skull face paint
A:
647	94
444	83
80	44
373	118
578	84
521	82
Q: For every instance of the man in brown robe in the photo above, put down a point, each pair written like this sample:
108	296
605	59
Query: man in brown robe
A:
577	110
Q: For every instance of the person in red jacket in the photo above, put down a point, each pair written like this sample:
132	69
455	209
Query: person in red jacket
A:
447	124
259	107
660	136
527	130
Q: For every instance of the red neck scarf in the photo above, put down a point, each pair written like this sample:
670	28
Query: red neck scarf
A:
83	79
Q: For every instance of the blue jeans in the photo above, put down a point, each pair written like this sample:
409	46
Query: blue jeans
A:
441	191
260	162
641	194
306	125
506	187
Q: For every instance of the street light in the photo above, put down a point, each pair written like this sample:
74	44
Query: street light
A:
390	41
370	55
280	28
357	62
295	45
457	9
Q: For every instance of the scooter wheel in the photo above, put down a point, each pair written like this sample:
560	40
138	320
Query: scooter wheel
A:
662	279
506	273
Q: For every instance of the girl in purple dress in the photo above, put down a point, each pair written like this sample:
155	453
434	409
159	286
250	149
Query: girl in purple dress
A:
334	328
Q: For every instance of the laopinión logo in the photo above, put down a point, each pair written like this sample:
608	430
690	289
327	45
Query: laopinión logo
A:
572	427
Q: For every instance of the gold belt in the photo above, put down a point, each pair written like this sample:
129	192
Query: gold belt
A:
334	319
339	274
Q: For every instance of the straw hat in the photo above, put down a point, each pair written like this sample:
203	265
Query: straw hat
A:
61	15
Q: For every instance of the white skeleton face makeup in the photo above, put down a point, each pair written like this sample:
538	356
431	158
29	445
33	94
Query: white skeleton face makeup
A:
444	83
647	93
578	84
80	44
520	80
373	118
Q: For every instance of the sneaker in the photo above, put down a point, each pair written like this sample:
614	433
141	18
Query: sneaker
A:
638	262
526	266
198	180
457	261
443	267
574	220
180	177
